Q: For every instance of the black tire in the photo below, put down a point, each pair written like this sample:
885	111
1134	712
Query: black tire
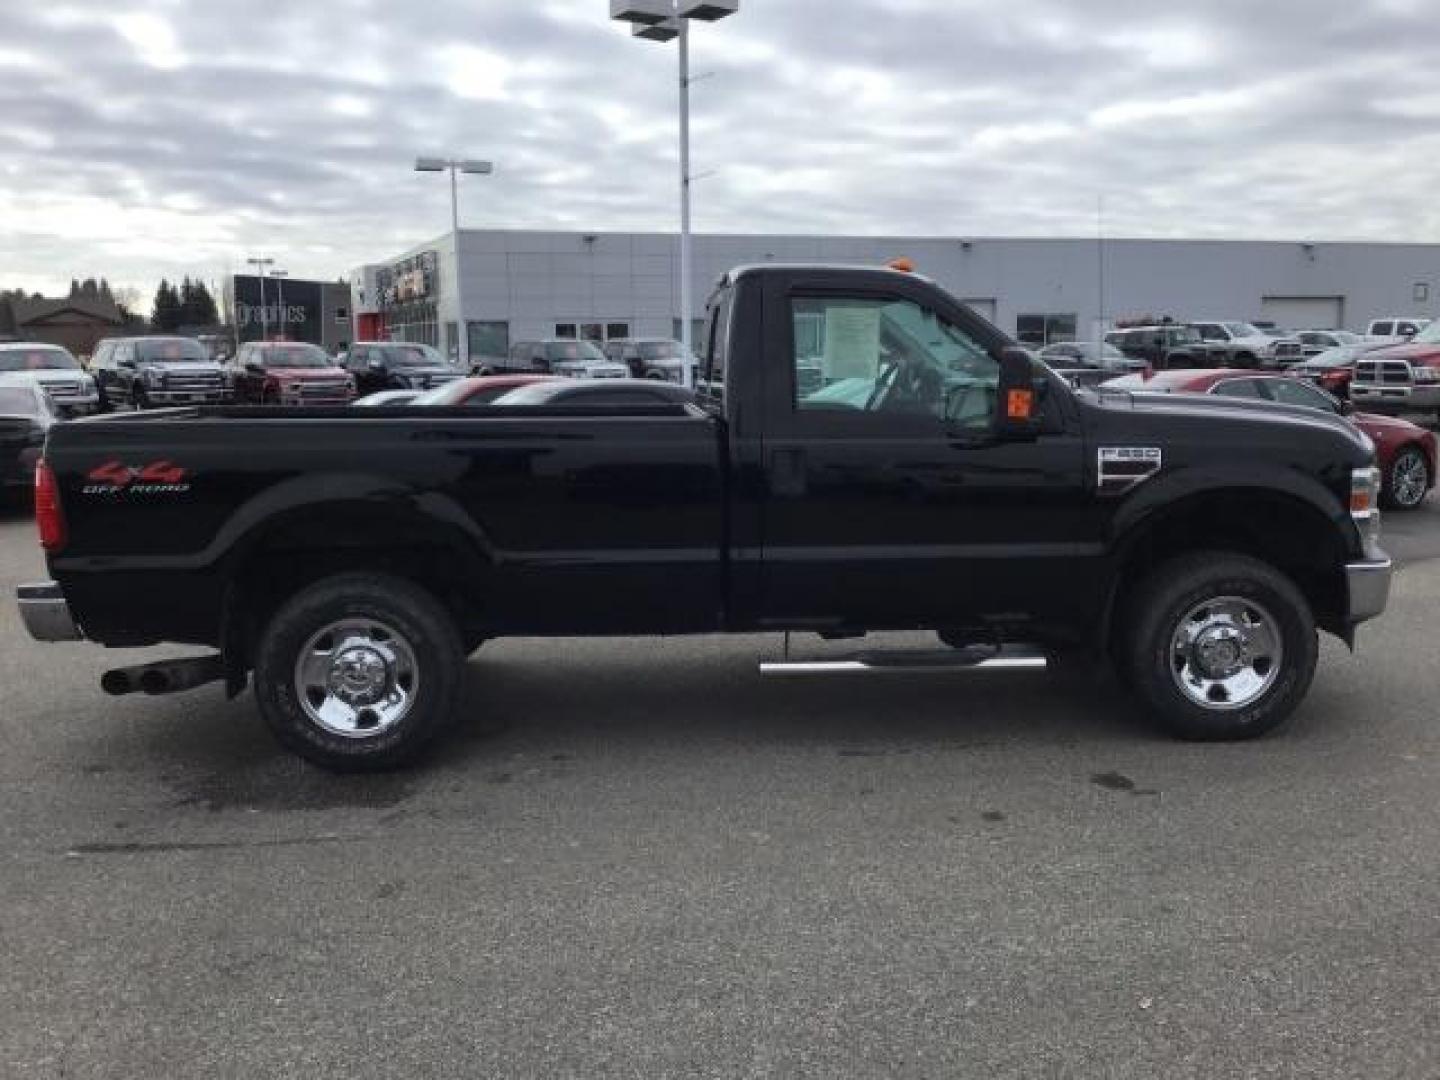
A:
1408	497
1173	591
421	623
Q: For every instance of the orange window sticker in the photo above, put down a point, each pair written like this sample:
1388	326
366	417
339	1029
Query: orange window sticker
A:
1019	404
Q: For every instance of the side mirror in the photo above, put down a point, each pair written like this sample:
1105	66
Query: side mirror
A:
1017	400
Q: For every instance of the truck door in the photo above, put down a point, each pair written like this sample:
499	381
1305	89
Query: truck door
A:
889	502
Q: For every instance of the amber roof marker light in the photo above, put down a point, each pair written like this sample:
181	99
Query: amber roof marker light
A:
904	264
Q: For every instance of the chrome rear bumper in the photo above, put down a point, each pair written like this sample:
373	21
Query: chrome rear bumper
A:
45	612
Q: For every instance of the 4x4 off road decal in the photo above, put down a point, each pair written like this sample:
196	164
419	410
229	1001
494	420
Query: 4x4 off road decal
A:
1124	467
156	478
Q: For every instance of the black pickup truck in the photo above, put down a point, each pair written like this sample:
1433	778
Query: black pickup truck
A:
864	454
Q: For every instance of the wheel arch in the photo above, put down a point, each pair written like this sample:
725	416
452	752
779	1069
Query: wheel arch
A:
1283	529
318	526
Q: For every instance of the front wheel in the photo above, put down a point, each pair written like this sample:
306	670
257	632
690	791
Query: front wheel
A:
359	672
1408	479
1220	646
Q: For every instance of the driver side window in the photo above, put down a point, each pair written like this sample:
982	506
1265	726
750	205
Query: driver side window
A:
888	357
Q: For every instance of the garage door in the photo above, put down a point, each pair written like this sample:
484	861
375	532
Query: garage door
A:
982	307
1304	312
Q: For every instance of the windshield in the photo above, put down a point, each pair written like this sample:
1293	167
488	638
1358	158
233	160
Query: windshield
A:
295	356
412	355
1332	358
17	402
172	351
1429	335
572	350
41	358
1242	329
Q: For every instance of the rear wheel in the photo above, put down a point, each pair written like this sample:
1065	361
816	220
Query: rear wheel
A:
1408	479
359	672
1220	646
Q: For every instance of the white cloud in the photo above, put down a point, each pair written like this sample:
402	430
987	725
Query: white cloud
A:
153	39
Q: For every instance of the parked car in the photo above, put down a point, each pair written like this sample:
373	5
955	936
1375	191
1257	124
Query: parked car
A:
1394	329
1406	453
398	365
1314	342
478	389
55	370
345	564
26	416
1401	378
388	398
556	356
1331	370
596	393
289	373
1167	345
154	372
1087	354
652	358
1247	346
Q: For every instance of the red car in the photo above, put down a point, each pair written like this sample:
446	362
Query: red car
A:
289	373
1405	452
478	390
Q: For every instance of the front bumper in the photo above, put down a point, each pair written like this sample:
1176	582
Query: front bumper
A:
187	397
45	612
1383	396
1368	587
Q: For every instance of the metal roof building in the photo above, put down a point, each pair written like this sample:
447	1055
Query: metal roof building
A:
524	285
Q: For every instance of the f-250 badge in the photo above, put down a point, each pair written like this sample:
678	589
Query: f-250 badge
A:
1125	467
156	478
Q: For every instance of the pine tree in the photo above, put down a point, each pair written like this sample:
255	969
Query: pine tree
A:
186	314
90	290
166	313
207	313
74	288
105	293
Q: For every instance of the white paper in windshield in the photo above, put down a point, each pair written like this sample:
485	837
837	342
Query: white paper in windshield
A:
852	342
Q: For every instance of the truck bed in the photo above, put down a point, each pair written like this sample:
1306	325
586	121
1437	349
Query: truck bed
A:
555	519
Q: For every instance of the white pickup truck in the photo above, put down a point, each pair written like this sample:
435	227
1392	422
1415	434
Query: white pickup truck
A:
1394	329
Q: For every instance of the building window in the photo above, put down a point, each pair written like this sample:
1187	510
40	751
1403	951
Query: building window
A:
697	331
616	330
489	339
1041	330
592	331
1421	293
342	315
565	330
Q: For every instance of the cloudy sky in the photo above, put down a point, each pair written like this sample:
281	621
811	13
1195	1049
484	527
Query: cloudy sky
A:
141	138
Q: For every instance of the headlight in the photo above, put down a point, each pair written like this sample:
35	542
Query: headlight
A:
1365	502
154	377
1426	375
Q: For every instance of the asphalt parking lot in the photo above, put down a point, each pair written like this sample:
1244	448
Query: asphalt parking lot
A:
638	859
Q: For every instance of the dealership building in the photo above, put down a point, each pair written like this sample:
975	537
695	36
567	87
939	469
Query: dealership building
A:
525	285
290	309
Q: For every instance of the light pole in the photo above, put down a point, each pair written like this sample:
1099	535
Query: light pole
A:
279	276
664	20
260	265
456	166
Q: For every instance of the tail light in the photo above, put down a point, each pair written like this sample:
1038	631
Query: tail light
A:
48	515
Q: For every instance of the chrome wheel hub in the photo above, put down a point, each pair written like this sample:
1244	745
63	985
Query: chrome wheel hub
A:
1410	480
356	678
1226	653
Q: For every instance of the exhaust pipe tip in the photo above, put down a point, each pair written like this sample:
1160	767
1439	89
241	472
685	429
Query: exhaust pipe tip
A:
117	683
155	681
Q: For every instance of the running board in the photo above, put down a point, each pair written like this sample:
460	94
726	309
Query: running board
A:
909	662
